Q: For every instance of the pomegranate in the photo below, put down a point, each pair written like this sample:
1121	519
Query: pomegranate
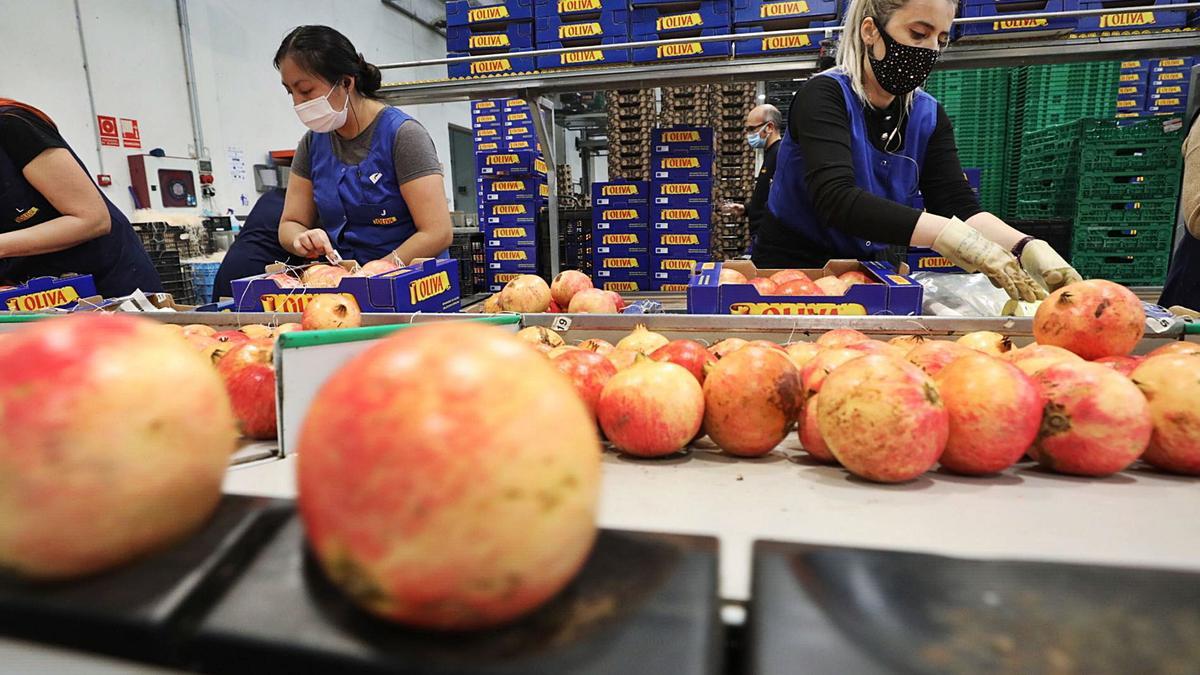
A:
1178	347
804	286
567	284
652	409
935	355
588	371
559	351
256	331
248	371
995	413
767	344
1122	364
815	371
601	347
1096	422
731	276
855	277
883	419
286	328
1035	357
785	276
832	285
492	304
199	329
618	301
543	339
216	350
727	346
840	337
554	308
1094	318
764	286
468	520
801	353
234	336
116	439
331	310
1171	385
908	342
377	267
284	280
752	399
623	358
592	301
877	347
323	276
810	432
527	294
687	353
642	340
200	342
988	342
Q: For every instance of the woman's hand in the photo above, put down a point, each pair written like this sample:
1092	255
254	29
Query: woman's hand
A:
312	244
1045	265
970	250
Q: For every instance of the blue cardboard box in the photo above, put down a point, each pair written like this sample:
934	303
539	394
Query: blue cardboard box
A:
621	267
681	50
1183	63
681	193
689	244
678	168
45	293
500	65
520	131
489	135
1136	89
519	163
1126	102
1001	26
489	146
894	293
520	144
674	269
1123	21
514	190
425	286
621	193
514	259
1136	64
515	104
513	213
681	141
575	10
557	29
487	119
668	20
495	280
481	12
491	38
487	105
632	283
620	244
780	44
760	12
593	56
620	218
509	236
1133	76
921	259
1179	89
1169	77
1166	101
681	220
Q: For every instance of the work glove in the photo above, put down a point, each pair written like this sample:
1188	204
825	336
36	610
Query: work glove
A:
964	246
1045	265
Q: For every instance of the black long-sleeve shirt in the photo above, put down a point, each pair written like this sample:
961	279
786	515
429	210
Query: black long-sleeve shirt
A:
820	125
756	207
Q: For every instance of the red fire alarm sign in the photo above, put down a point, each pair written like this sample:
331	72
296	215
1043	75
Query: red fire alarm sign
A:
108	130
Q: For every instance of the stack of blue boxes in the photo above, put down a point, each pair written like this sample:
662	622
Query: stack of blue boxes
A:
480	27
579	23
621	236
1149	87
663	19
1002	26
681	171
1119	21
511	188
758	16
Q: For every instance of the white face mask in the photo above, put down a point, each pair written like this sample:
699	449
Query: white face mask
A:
319	116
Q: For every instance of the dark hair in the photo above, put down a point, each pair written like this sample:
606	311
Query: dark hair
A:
324	51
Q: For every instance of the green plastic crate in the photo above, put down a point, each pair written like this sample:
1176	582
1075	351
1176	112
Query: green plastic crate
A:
1153	129
1132	213
1102	239
1124	185
1142	269
1130	156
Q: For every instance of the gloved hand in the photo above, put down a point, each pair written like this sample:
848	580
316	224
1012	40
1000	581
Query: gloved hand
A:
1045	265
964	246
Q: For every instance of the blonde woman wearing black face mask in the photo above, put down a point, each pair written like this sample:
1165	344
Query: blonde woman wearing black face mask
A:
863	139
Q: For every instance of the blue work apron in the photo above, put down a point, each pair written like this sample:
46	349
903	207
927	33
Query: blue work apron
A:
794	229
361	207
117	262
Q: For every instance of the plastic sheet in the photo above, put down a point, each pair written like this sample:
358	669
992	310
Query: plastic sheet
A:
960	294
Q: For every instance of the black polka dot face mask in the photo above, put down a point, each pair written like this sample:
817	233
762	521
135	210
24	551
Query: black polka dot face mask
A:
903	68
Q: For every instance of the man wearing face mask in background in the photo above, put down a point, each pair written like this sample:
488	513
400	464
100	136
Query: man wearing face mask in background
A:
863	141
367	173
762	133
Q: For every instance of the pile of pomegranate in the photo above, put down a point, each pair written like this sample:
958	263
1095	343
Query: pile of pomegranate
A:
795	282
571	291
320	275
1075	401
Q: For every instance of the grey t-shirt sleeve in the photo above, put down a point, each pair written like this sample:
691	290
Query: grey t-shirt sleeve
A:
413	153
301	165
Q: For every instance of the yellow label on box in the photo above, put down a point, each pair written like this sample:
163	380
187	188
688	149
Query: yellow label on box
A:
798	309
431	286
620	286
488	41
679	189
33	302
1126	19
575	6
621	263
669	265
291	302
679	214
677	21
510	256
487	14
585	56
579	30
490	66
679	240
621	239
508	232
677	50
1019	24
774	44
773	9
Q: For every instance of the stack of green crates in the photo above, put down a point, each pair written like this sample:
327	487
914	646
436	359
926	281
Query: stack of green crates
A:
974	101
1128	190
1048	174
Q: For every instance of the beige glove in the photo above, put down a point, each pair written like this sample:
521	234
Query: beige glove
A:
1045	265
964	246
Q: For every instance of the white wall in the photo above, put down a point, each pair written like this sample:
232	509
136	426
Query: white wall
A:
135	53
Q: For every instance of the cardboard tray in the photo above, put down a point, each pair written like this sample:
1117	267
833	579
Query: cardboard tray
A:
643	603
819	609
894	293
139	611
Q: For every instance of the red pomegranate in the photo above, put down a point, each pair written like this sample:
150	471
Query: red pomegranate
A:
810	432
540	338
588	371
248	371
813	375
729	275
1171	385
765	343
855	277
883	419
801	353
624	358
527	294
908	342
328	311
935	355
752	399
1122	364
467	520
841	337
802	286
764	286
1096	421
1178	347
567	284
687	353
652	409
1035	357
877	347
592	301
988	342
1094	319
727	346
618	301
832	285
786	276
995	413
601	347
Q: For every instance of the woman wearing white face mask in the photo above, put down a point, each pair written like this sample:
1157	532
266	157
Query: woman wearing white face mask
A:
367	171
863	139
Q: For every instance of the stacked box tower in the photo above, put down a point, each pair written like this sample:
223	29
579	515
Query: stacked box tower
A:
681	209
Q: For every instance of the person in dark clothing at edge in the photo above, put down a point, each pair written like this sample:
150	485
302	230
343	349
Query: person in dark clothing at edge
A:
863	139
1183	281
257	245
763	126
53	219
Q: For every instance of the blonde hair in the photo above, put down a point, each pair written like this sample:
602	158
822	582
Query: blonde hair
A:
852	50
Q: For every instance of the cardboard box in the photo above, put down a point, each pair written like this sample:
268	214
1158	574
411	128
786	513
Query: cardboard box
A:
674	270
1002	25
515	104
523	130
482	12
681	220
668	286
555	28
575	10
679	168
521	259
619	268
1122	21
766	12
520	145
896	293
1184	63
1126	103
619	244
1133	89
620	219
515	190
486	105
1178	90
488	135
692	244
595	56
490	38
488	146
500	65
631	284
497	280
681	50
672	20
681	194
1166	101
520	163
620	193
487	119
522	213
48	293
424	286
1127	77
509	236
1169	77
779	44
681	141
